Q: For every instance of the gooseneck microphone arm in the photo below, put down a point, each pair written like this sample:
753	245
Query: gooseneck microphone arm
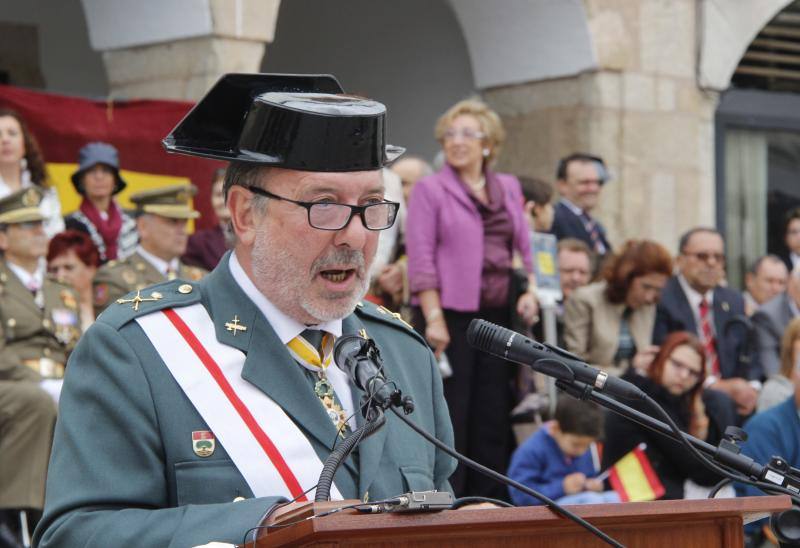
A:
361	360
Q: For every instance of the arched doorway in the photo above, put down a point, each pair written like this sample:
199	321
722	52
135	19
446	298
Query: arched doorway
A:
758	143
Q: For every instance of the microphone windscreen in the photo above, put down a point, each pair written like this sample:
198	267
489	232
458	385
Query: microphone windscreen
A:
482	334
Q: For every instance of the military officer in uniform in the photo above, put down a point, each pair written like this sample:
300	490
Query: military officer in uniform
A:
210	402
38	326
161	218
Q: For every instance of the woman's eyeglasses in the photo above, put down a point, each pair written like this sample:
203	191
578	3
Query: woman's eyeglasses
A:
466	134
685	369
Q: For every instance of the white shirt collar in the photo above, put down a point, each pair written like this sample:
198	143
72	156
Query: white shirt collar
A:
26	277
695	297
285	327
158	263
794	258
572	207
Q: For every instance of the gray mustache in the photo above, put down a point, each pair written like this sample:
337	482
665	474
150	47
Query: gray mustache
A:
350	257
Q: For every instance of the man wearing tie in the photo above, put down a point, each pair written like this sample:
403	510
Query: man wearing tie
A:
194	408
161	218
695	301
579	179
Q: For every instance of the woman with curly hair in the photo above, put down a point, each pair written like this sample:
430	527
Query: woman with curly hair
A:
610	323
22	166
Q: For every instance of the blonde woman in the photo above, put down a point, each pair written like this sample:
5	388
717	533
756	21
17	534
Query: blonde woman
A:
465	223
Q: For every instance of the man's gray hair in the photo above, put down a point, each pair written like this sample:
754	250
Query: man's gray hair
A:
245	174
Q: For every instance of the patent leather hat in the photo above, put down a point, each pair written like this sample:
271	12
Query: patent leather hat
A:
293	121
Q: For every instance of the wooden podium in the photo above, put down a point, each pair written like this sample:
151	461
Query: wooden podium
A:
672	524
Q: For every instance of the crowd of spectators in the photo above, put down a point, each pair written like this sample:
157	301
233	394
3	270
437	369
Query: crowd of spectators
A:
713	356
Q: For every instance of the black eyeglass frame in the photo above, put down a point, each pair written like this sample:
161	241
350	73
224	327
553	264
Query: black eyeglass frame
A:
354	209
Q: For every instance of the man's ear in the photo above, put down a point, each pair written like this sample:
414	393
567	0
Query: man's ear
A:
243	218
3	239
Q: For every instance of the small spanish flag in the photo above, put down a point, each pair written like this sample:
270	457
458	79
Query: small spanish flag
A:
633	477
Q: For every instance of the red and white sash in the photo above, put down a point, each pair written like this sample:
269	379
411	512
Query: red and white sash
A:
269	450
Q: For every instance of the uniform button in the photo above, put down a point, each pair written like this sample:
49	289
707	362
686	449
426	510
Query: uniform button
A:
47	323
185	289
46	352
238	499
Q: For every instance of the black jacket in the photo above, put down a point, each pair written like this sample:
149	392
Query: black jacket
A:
735	350
568	225
671	461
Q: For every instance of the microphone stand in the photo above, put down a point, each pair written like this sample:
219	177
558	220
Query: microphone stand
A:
776	477
374	418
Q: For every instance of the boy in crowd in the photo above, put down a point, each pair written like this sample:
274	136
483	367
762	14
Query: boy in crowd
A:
557	460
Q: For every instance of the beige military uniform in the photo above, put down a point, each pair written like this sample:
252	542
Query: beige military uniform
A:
117	278
38	330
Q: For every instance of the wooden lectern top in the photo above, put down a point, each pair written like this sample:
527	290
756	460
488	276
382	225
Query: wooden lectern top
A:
686	523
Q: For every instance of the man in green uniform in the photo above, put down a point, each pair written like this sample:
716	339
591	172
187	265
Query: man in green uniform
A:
191	409
39	326
161	218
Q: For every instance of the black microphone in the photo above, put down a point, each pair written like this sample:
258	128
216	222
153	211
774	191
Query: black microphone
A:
549	360
361	360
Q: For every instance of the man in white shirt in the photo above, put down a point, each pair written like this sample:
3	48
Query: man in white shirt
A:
194	408
162	216
695	301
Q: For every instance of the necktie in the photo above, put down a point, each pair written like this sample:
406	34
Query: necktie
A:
594	233
709	343
313	349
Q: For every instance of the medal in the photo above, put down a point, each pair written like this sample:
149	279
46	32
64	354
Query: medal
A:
324	391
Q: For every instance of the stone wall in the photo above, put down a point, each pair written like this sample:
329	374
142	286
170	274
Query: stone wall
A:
641	110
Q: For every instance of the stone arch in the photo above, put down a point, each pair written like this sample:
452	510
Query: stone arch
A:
726	32
522	36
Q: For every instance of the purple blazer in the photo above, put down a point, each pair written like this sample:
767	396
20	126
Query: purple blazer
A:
444	237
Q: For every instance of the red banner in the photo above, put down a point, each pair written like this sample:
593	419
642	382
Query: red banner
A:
63	124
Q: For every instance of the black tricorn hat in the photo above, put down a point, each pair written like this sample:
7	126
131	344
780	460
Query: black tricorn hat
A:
294	121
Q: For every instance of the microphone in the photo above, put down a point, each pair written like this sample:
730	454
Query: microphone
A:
361	360
549	360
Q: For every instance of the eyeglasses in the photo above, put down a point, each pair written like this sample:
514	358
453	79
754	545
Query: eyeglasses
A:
466	134
705	256
691	373
333	216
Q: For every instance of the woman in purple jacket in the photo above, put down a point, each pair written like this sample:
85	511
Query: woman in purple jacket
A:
465	224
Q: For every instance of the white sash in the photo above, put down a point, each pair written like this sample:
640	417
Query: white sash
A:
269	450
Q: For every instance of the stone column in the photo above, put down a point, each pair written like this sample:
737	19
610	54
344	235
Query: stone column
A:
176	49
641	110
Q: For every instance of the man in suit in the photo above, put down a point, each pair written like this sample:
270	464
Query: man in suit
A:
38	326
765	279
770	321
579	179
695	301
161	218
206	404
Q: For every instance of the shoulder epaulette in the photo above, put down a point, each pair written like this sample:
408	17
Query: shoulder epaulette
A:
170	294
384	315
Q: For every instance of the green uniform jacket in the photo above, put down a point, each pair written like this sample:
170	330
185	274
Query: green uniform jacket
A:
117	278
29	332
123	470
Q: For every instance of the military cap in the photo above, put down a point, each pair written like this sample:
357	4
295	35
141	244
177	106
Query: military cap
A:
302	122
98	153
21	206
170	201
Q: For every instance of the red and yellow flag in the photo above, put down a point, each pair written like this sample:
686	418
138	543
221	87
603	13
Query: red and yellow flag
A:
63	124
633	477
